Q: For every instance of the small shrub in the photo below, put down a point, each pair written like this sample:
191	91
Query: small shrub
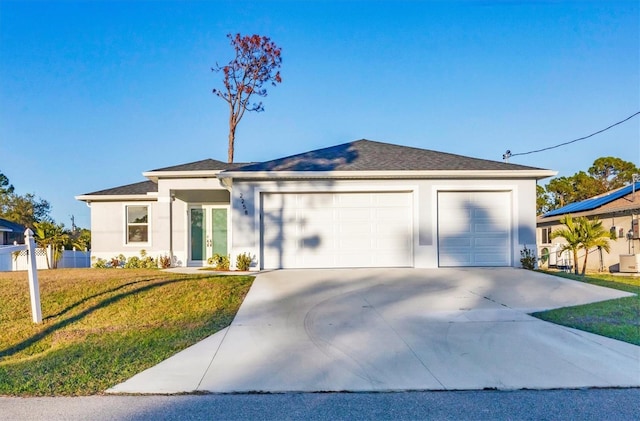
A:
527	258
164	261
100	264
243	261
148	262
219	261
132	263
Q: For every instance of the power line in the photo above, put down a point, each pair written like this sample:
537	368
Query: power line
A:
508	154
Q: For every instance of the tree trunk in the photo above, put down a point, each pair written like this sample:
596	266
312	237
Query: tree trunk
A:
232	137
584	264
575	262
231	140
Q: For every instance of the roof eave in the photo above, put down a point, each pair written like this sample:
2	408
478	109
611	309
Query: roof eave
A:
429	174
152	196
155	175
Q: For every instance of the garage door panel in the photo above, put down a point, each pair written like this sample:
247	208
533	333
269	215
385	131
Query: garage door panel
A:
498	243
355	231
387	214
456	259
353	201
474	228
381	200
338	230
386	231
352	214
456	242
361	242
485	227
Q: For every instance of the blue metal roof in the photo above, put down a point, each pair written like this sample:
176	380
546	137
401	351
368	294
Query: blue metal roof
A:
11	226
594	202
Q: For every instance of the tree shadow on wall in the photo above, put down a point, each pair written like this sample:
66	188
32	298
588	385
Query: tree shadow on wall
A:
324	160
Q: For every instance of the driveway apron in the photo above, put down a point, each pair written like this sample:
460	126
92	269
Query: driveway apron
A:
399	329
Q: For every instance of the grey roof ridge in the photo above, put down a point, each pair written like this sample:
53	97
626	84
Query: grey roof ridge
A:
261	165
216	165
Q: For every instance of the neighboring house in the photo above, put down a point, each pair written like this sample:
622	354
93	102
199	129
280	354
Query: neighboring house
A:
619	212
11	232
359	204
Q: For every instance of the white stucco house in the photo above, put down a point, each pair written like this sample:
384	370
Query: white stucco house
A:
358	204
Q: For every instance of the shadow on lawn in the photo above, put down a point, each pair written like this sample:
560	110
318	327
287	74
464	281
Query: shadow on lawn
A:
84	300
66	322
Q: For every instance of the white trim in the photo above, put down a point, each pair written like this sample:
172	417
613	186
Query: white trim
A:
151	196
149	241
426	174
155	175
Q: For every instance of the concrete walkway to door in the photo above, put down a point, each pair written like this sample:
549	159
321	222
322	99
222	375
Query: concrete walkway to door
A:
399	329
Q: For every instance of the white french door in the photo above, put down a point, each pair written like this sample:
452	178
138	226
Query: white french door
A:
208	234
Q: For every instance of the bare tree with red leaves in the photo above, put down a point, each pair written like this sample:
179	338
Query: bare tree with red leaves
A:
257	62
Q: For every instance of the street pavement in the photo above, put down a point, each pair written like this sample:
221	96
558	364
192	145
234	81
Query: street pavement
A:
585	404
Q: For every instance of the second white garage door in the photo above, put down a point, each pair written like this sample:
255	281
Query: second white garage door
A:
474	228
325	230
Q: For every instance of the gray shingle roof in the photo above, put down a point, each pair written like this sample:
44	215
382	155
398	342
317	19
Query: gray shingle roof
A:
368	155
204	165
360	155
142	187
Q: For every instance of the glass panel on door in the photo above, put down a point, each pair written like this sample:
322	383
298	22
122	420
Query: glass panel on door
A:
219	218
198	247
208	232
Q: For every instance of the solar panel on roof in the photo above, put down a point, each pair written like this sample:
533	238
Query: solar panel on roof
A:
594	202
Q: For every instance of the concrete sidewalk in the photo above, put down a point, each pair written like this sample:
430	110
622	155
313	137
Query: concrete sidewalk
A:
399	329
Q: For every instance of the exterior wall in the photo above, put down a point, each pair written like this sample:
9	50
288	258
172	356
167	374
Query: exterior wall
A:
108	230
169	221
607	262
245	207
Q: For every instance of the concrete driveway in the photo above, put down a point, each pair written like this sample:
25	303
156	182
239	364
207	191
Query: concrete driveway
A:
399	329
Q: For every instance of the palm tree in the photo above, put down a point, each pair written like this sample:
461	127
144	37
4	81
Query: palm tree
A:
48	233
572	235
592	234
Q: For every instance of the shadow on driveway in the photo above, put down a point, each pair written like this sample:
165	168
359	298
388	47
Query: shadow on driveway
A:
399	329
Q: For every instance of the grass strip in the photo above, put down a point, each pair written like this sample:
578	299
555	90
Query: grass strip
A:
617	319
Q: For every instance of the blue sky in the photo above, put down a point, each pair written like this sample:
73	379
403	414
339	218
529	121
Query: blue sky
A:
94	93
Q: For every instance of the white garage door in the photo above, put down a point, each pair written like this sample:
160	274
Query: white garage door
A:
474	228
324	230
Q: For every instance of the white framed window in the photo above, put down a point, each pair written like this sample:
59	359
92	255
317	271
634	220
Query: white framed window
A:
546	235
137	230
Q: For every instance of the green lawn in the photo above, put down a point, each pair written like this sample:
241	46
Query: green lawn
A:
102	326
618	319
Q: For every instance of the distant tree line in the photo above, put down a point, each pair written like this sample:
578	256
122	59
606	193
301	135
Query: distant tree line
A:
35	213
606	174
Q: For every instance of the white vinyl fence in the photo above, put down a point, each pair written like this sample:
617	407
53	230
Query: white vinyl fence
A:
70	258
32	274
75	259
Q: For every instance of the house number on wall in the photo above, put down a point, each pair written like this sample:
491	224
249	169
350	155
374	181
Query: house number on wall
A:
244	207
